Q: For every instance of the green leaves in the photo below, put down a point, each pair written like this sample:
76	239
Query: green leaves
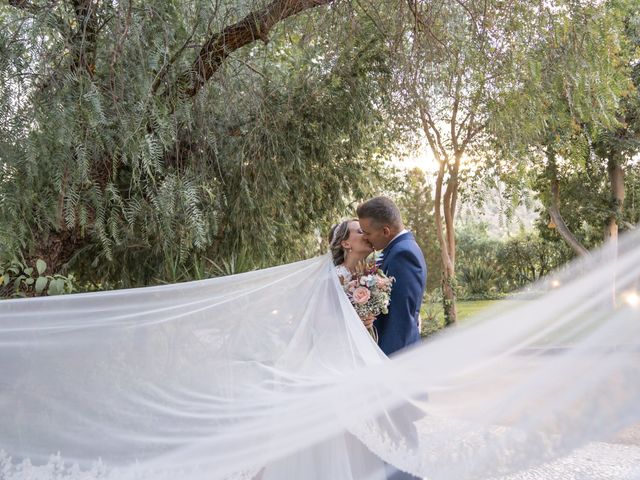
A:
41	284
41	266
574	76
56	287
124	186
18	280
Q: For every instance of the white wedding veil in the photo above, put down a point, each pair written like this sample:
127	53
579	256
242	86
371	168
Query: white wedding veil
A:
271	375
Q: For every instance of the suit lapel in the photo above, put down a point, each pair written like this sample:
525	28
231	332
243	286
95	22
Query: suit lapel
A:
387	250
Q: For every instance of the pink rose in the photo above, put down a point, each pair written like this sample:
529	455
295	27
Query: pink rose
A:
361	295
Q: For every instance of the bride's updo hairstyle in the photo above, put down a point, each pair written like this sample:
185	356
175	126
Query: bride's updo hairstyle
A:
338	234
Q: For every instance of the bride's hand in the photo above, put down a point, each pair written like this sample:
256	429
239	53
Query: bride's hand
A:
368	321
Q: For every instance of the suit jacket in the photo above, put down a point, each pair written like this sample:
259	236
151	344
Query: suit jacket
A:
403	260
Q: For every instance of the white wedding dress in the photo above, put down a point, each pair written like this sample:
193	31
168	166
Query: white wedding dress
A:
271	375
343	273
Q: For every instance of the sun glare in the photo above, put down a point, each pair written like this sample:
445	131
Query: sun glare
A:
422	158
631	298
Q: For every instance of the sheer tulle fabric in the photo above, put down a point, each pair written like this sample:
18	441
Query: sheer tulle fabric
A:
271	375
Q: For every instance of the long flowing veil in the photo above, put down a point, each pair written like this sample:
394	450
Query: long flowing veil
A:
271	375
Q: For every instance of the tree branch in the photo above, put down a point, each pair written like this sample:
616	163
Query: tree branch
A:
25	5
561	226
165	67
30	7
256	25
473	18
448	218
469	122
421	22
437	211
554	211
434	139
454	112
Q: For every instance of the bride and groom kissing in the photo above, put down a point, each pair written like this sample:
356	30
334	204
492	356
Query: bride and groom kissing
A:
379	227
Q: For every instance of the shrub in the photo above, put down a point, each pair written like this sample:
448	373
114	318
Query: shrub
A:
479	279
20	280
431	313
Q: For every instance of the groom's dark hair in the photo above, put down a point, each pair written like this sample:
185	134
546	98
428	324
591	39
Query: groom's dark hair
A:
381	210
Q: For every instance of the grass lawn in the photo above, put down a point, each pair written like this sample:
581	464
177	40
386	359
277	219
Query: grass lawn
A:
469	308
433	316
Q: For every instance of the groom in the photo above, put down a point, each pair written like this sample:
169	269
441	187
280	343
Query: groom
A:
402	259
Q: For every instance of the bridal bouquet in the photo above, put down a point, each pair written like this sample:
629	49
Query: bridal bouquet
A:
369	291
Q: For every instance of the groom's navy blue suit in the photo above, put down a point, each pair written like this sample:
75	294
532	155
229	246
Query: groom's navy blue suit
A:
403	260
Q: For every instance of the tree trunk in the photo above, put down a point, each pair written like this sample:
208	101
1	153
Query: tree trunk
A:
56	249
449	298
84	40
445	205
446	239
616	181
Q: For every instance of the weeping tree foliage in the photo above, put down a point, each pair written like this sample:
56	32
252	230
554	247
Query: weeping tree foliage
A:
571	124
143	142
614	149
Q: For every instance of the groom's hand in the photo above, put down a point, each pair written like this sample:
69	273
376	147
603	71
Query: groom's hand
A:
368	321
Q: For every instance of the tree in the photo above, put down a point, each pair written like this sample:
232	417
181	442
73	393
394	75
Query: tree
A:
138	141
568	106
455	60
618	146
416	204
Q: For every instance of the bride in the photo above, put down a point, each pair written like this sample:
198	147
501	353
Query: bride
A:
270	374
348	247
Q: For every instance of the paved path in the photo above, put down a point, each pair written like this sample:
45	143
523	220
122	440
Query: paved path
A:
595	461
616	459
